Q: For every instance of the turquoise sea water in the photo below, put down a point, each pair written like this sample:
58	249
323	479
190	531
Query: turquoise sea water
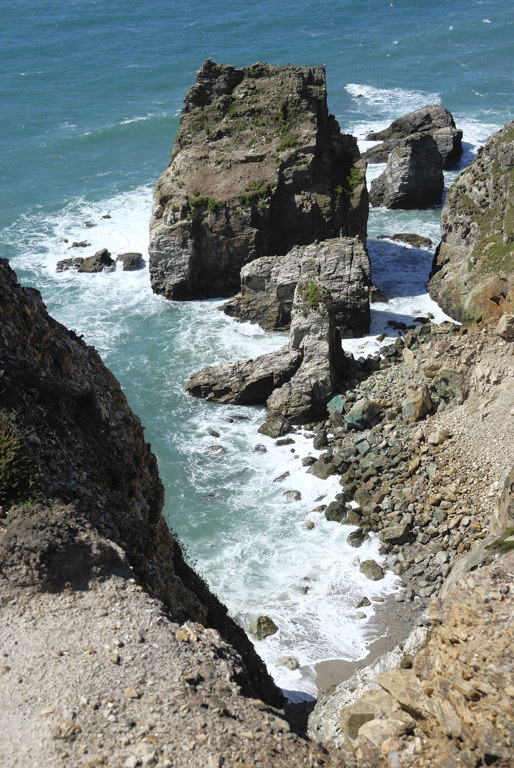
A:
91	94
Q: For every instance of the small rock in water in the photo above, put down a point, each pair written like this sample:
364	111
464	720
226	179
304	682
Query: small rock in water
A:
290	662
262	627
216	449
372	570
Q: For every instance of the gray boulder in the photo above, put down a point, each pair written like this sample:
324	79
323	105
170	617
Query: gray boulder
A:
413	177
372	570
99	262
431	119
247	382
130	261
340	264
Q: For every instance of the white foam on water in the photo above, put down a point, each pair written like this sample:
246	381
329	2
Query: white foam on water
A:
92	304
387	101
261	558
245	532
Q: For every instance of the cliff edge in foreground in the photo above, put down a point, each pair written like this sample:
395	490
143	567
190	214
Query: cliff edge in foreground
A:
114	652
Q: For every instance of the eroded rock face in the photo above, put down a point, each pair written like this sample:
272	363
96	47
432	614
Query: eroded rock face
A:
297	381
305	395
340	264
413	177
432	119
82	453
247	382
472	276
258	166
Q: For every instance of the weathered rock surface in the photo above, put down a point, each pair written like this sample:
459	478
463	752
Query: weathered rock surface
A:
100	261
341	265
455	706
95	672
430	489
472	276
305	395
258	166
77	443
416	241
413	177
130	261
247	382
432	119
297	381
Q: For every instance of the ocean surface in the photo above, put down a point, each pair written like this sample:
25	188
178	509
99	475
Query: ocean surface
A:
91	95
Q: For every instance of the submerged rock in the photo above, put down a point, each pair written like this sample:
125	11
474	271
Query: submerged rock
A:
258	166
416	241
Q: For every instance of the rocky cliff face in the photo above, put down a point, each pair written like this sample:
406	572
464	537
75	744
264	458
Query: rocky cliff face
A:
433	120
340	264
472	275
258	166
454	706
68	437
413	177
298	380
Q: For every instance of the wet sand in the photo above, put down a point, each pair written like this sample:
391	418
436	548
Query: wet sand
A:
393	623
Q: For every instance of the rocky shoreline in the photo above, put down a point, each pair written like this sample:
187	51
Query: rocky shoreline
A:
115	654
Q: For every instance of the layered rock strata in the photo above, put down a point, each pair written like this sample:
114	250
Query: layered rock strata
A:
432	119
413	177
472	276
258	166
297	381
268	284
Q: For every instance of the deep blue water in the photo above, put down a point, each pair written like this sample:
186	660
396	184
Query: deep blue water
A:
91	94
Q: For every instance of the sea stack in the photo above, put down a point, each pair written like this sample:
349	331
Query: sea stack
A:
258	166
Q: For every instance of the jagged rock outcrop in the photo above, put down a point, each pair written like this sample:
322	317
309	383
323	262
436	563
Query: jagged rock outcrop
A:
258	166
246	382
68	437
472	276
130	261
268	284
297	381
413	177
416	241
432	119
305	395
455	705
